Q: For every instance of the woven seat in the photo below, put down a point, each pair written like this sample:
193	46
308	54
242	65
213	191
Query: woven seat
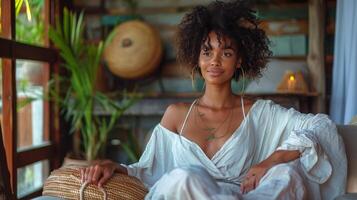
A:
66	183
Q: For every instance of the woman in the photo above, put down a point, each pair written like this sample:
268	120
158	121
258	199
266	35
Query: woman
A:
220	147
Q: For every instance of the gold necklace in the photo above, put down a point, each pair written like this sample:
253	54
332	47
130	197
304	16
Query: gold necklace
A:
211	130
213	136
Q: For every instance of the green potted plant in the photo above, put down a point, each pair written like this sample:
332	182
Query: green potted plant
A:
29	26
81	99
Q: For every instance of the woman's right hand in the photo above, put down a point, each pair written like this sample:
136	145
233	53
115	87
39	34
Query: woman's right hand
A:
98	173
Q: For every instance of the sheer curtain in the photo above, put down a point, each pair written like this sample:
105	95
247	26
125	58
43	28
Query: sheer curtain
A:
344	85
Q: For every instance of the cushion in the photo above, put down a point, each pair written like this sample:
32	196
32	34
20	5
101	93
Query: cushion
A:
66	183
349	135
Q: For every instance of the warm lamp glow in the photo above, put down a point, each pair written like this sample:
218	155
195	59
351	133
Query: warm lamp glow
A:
292	77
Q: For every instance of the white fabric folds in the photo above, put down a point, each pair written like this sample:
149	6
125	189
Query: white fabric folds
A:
320	173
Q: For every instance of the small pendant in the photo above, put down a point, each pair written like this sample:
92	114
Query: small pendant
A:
210	137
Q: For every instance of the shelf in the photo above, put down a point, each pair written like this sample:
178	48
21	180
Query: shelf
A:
155	104
290	58
158	95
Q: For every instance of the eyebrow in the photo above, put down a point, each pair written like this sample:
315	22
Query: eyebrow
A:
209	46
229	47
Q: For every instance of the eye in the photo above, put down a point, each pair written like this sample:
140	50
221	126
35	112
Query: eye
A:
228	54
205	52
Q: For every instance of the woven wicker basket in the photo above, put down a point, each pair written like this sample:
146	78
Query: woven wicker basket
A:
66	183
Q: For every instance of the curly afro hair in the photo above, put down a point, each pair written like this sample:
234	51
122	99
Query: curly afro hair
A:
234	20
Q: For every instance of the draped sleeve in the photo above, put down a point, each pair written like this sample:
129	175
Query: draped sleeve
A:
156	159
323	158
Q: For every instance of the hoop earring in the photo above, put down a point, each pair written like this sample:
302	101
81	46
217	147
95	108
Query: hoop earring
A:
236	75
193	71
204	86
243	79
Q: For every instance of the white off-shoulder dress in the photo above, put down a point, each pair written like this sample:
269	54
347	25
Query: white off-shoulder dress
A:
173	167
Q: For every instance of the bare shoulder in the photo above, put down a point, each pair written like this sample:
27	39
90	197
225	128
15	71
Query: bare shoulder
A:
248	102
174	116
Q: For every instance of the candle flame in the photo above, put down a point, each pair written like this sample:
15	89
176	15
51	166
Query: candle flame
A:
292	77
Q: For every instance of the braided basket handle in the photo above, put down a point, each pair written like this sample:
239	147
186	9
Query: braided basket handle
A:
84	185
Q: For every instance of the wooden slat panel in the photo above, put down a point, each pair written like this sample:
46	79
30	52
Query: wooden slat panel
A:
288	45
282	11
31	155
285	27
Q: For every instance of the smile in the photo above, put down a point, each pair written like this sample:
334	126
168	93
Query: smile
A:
215	72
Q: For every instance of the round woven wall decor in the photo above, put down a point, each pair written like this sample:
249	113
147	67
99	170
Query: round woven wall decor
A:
134	51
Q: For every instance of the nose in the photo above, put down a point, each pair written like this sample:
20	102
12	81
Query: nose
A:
216	61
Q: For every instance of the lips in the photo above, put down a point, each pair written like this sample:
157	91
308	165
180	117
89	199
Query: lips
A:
215	72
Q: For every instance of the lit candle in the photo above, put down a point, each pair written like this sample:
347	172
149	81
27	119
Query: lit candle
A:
291	83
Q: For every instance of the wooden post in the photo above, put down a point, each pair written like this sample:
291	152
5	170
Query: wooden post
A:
316	55
9	93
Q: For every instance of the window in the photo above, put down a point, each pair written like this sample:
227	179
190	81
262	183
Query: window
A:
31	177
31	82
26	63
30	22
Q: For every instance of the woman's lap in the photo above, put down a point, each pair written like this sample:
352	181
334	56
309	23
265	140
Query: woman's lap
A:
283	181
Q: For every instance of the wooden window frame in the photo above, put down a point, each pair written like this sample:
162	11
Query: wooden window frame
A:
10	51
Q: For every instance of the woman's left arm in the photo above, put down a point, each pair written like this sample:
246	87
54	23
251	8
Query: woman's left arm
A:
257	171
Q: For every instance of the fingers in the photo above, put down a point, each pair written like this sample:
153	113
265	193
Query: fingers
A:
105	177
249	184
96	174
98	171
82	170
90	174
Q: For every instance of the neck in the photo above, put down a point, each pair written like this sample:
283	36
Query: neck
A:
218	96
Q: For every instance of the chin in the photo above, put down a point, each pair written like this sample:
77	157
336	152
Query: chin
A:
218	81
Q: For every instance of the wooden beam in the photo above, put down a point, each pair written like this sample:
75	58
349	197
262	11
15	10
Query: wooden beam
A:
32	195
9	93
15	50
9	122
316	55
5	48
55	127
56	9
25	51
34	154
4	171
